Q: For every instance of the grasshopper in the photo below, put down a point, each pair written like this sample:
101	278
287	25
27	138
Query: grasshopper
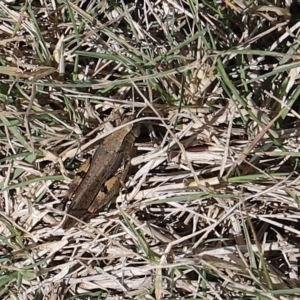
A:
102	180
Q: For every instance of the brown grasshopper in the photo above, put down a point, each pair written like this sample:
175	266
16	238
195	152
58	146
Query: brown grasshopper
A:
109	167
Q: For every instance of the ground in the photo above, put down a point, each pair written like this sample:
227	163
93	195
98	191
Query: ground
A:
210	206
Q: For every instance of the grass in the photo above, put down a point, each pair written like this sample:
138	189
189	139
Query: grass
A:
210	209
